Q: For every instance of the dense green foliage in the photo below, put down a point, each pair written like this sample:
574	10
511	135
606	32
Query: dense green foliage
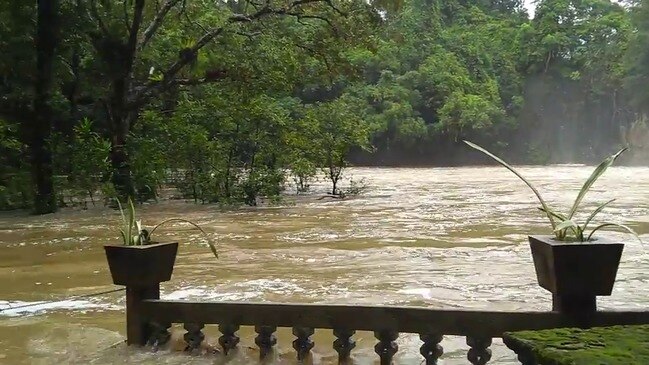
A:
617	345
229	101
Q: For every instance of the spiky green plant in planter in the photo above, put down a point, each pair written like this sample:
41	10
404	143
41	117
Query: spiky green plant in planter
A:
563	267
139	261
564	226
133	234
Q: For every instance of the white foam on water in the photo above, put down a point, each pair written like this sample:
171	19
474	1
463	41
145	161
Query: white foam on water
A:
204	293
19	308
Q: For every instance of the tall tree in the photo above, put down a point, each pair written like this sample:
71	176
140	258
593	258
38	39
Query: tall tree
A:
47	38
124	32
637	58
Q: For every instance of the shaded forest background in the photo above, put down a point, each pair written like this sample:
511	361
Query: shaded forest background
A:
228	100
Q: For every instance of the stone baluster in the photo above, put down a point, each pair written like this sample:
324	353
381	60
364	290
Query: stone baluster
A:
265	340
386	348
194	336
344	344
159	335
229	339
303	343
431	350
479	352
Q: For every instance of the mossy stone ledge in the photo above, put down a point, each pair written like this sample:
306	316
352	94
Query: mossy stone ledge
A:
617	345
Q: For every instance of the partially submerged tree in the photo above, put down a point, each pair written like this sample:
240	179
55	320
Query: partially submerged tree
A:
27	86
338	128
40	126
135	73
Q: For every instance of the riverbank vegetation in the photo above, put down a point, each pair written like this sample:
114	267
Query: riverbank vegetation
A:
227	101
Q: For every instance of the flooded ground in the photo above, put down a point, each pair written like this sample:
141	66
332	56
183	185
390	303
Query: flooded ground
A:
443	237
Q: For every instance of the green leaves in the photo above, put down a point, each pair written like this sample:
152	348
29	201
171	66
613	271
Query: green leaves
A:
129	222
595	212
547	210
623	227
207	237
565	222
133	234
599	171
565	225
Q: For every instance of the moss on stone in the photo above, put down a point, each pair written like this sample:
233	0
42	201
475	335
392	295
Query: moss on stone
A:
623	345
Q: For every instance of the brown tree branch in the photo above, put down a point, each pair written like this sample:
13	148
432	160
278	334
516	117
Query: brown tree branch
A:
156	22
188	55
194	22
331	5
138	14
93	12
125	11
317	17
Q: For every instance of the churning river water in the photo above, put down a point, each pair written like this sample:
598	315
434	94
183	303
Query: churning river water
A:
434	237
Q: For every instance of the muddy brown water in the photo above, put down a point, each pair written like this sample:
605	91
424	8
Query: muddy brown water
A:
438	237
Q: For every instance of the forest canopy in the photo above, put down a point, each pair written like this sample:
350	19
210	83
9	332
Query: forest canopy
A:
228	100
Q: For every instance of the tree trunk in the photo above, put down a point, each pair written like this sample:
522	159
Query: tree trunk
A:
120	123
121	115
41	129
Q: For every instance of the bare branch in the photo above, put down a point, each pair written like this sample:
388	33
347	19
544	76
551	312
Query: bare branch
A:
188	55
322	18
125	10
94	14
194	22
138	15
156	22
131	46
331	4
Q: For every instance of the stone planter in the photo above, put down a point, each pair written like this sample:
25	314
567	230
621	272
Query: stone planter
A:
573	271
141	266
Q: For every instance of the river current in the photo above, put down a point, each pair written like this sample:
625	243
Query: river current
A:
433	237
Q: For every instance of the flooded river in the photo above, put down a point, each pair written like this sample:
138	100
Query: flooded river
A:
443	237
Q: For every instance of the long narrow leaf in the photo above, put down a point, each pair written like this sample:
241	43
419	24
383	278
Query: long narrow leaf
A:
564	225
580	234
207	238
596	212
628	229
124	225
131	220
599	171
557	215
124	240
121	212
515	172
561	230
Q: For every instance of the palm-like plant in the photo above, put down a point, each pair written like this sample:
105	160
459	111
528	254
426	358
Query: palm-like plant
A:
564	226
133	234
